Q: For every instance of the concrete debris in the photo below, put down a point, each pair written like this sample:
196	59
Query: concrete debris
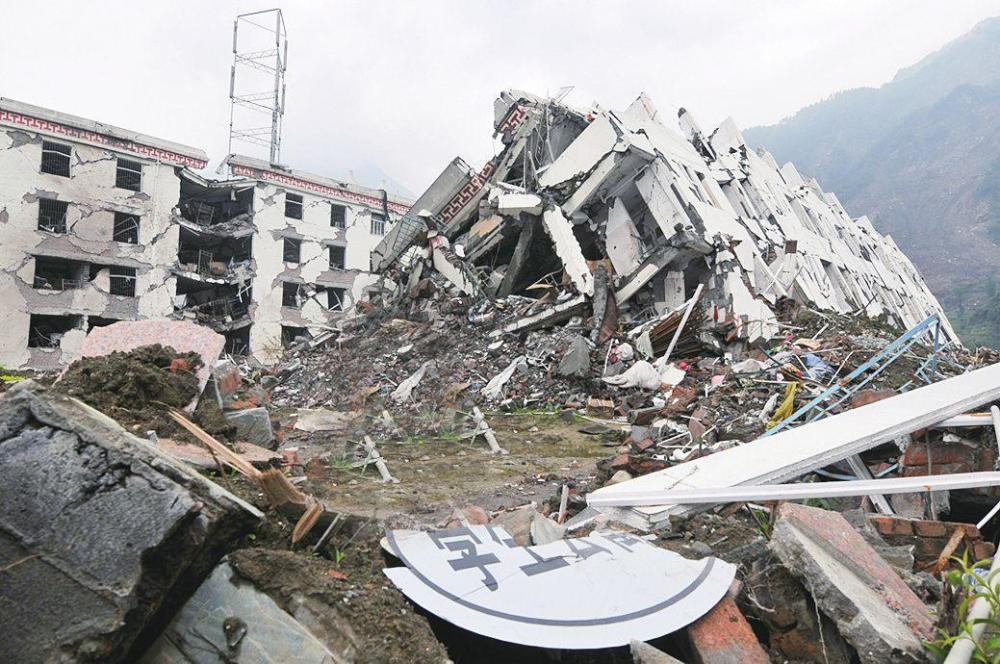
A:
643	653
682	294
875	611
112	534
228	619
576	361
253	425
405	389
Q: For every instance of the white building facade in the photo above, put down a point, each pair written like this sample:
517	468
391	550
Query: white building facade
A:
99	224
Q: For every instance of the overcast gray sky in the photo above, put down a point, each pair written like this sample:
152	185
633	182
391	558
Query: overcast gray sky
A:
406	86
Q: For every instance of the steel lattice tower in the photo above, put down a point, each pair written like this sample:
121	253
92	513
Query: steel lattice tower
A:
257	80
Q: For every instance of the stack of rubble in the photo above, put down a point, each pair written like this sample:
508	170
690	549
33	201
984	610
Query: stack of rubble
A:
614	214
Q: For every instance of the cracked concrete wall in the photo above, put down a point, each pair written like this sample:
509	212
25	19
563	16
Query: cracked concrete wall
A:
93	199
316	234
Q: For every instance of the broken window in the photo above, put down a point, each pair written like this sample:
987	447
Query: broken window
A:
123	281
336	298
378	224
126	228
58	273
337	257
129	174
47	331
290	295
290	335
293	206
52	215
338	216
55	158
293	250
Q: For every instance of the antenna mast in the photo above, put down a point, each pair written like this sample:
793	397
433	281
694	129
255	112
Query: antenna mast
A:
260	54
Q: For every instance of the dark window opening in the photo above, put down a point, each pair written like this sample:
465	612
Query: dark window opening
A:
378	224
126	228
58	273
293	206
336	298
52	215
123	281
338	216
291	335
337	257
129	175
290	295
238	342
99	321
292	252
47	331
55	158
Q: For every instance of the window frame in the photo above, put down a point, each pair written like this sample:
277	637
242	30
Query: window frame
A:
296	244
50	148
338	221
300	203
121	168
58	229
127	275
119	221
379	222
285	285
341	295
343	256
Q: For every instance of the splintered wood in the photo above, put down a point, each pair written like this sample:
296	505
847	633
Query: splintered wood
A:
280	493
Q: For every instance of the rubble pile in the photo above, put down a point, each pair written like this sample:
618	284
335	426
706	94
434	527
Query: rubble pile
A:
759	433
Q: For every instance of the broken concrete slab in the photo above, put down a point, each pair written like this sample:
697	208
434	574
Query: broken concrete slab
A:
182	336
405	388
113	534
643	653
576	361
873	608
320	419
228	619
253	425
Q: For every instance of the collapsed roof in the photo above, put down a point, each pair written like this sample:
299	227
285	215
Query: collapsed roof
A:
594	204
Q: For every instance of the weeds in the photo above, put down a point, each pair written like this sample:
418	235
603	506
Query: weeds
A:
971	582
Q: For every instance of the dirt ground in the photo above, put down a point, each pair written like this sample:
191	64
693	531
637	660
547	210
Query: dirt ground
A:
439	473
436	476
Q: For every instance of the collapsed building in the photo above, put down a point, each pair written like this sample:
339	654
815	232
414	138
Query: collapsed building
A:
616	209
104	224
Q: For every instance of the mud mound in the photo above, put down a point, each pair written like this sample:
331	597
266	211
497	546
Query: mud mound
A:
135	388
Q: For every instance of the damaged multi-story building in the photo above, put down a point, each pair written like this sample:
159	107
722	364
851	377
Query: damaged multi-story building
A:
102	224
600	211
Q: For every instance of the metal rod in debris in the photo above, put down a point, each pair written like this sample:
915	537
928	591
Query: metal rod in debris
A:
774	492
995	417
483	428
374	456
680	328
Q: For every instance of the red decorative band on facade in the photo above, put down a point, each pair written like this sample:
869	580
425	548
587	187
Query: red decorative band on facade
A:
101	139
324	190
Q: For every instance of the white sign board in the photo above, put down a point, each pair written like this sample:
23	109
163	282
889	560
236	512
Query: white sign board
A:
599	591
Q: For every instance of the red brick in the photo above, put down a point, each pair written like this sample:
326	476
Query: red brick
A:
889	525
723	636
620	461
916	454
926	550
644	444
983	550
931	529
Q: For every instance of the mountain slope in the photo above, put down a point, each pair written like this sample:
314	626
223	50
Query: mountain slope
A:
921	157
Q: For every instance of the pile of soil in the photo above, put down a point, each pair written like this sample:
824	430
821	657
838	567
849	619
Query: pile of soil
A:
136	388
